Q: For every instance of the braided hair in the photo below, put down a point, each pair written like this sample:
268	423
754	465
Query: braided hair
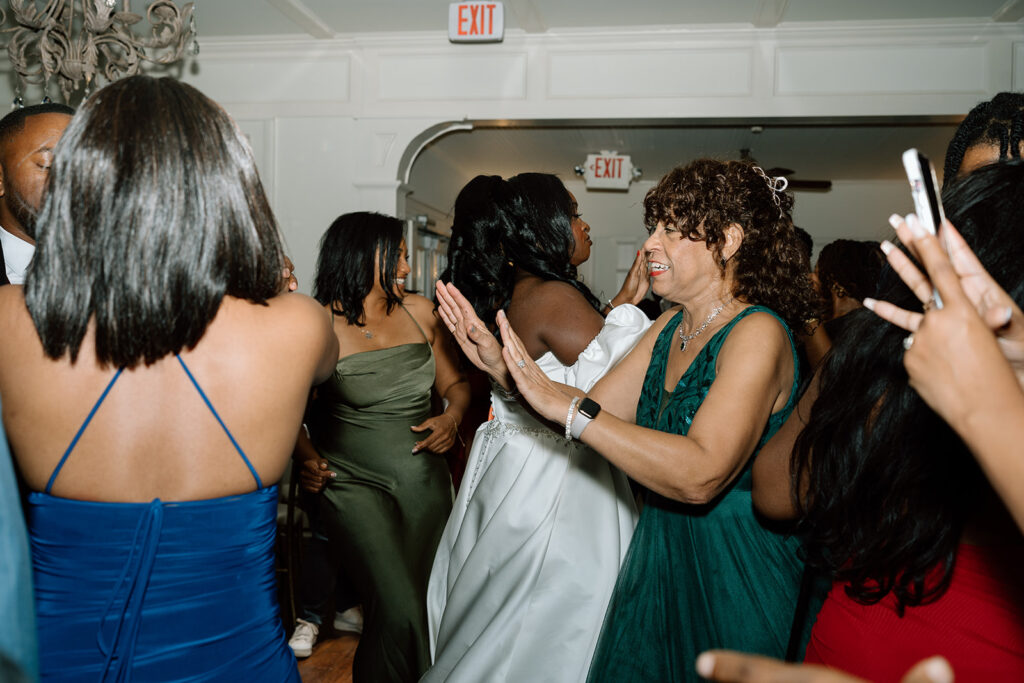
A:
1000	121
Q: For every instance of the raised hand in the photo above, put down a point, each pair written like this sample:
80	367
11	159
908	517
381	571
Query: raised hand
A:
636	284
543	395
959	277
479	345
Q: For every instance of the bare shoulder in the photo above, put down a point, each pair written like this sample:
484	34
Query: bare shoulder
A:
760	334
422	309
294	317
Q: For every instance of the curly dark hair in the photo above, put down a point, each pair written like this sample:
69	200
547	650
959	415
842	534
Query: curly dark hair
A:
1000	121
851	264
890	484
499	225
706	196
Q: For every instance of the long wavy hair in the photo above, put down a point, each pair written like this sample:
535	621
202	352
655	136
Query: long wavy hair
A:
706	196
499	225
356	245
890	485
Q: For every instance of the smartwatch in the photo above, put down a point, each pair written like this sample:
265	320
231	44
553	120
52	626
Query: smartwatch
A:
588	409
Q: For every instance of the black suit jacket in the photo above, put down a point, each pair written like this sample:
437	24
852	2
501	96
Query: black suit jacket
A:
3	270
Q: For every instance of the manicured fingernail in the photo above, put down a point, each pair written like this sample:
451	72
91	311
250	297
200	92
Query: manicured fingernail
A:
895	220
869	303
938	670
887	247
1007	314
706	664
333	475
915	226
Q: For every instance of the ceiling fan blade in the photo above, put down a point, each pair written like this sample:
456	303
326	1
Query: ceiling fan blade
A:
810	185
778	170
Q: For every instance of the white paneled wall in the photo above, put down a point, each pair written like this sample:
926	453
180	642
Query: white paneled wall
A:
330	120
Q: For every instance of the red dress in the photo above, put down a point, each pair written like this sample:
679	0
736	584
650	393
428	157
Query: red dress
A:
977	624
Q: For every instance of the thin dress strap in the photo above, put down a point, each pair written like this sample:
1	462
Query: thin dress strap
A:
78	434
259	483
425	338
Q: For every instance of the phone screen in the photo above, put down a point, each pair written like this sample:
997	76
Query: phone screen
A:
924	189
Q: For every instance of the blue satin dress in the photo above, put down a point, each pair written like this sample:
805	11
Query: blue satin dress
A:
158	591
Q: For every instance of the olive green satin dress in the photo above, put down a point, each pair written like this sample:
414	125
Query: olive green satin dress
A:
387	507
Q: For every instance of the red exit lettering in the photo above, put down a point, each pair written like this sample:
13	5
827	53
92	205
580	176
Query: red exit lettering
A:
476	20
608	167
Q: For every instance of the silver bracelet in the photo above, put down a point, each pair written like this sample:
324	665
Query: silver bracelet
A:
507	394
569	416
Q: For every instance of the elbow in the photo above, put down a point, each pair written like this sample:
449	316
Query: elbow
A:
697	493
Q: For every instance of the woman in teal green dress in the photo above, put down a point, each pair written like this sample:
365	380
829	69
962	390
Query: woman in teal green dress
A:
376	450
684	414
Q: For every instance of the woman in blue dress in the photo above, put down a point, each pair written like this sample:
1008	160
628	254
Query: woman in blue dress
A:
684	414
154	379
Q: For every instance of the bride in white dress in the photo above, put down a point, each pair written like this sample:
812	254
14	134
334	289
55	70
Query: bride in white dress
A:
530	554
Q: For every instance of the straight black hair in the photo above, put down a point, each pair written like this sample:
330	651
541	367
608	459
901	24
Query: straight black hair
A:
353	247
154	213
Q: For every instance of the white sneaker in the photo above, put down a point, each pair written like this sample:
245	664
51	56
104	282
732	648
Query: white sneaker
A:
351	620
303	638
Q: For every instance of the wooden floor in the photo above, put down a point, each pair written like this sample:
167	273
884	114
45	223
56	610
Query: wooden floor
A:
331	661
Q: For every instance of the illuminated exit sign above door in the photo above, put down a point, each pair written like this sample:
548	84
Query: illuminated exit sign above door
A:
476	21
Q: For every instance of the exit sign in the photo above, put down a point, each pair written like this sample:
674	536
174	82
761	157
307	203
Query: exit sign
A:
608	171
476	21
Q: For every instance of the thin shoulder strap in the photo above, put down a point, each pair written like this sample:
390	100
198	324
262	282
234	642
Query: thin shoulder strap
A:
259	483
425	338
81	430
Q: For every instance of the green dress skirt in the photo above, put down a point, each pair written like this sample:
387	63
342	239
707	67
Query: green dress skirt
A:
696	576
387	507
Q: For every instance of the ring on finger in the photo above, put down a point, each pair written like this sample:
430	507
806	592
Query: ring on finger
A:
908	341
520	364
928	305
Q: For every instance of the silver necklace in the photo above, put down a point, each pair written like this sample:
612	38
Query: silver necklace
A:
685	339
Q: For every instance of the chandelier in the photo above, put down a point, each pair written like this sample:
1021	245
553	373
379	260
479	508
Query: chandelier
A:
75	41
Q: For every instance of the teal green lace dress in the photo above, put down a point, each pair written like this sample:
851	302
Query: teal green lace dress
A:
697	576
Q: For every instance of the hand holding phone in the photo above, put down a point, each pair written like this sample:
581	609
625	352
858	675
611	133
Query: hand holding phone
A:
924	190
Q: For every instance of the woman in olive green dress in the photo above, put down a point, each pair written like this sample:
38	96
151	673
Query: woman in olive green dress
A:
684	414
386	488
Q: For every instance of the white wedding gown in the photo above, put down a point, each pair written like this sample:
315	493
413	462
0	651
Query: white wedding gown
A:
530	553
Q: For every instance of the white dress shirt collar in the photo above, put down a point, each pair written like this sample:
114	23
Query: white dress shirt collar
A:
17	254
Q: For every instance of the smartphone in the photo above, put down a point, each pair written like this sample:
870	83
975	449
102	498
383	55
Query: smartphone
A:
924	190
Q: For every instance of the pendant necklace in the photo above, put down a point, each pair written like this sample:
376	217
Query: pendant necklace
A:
685	339
368	334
